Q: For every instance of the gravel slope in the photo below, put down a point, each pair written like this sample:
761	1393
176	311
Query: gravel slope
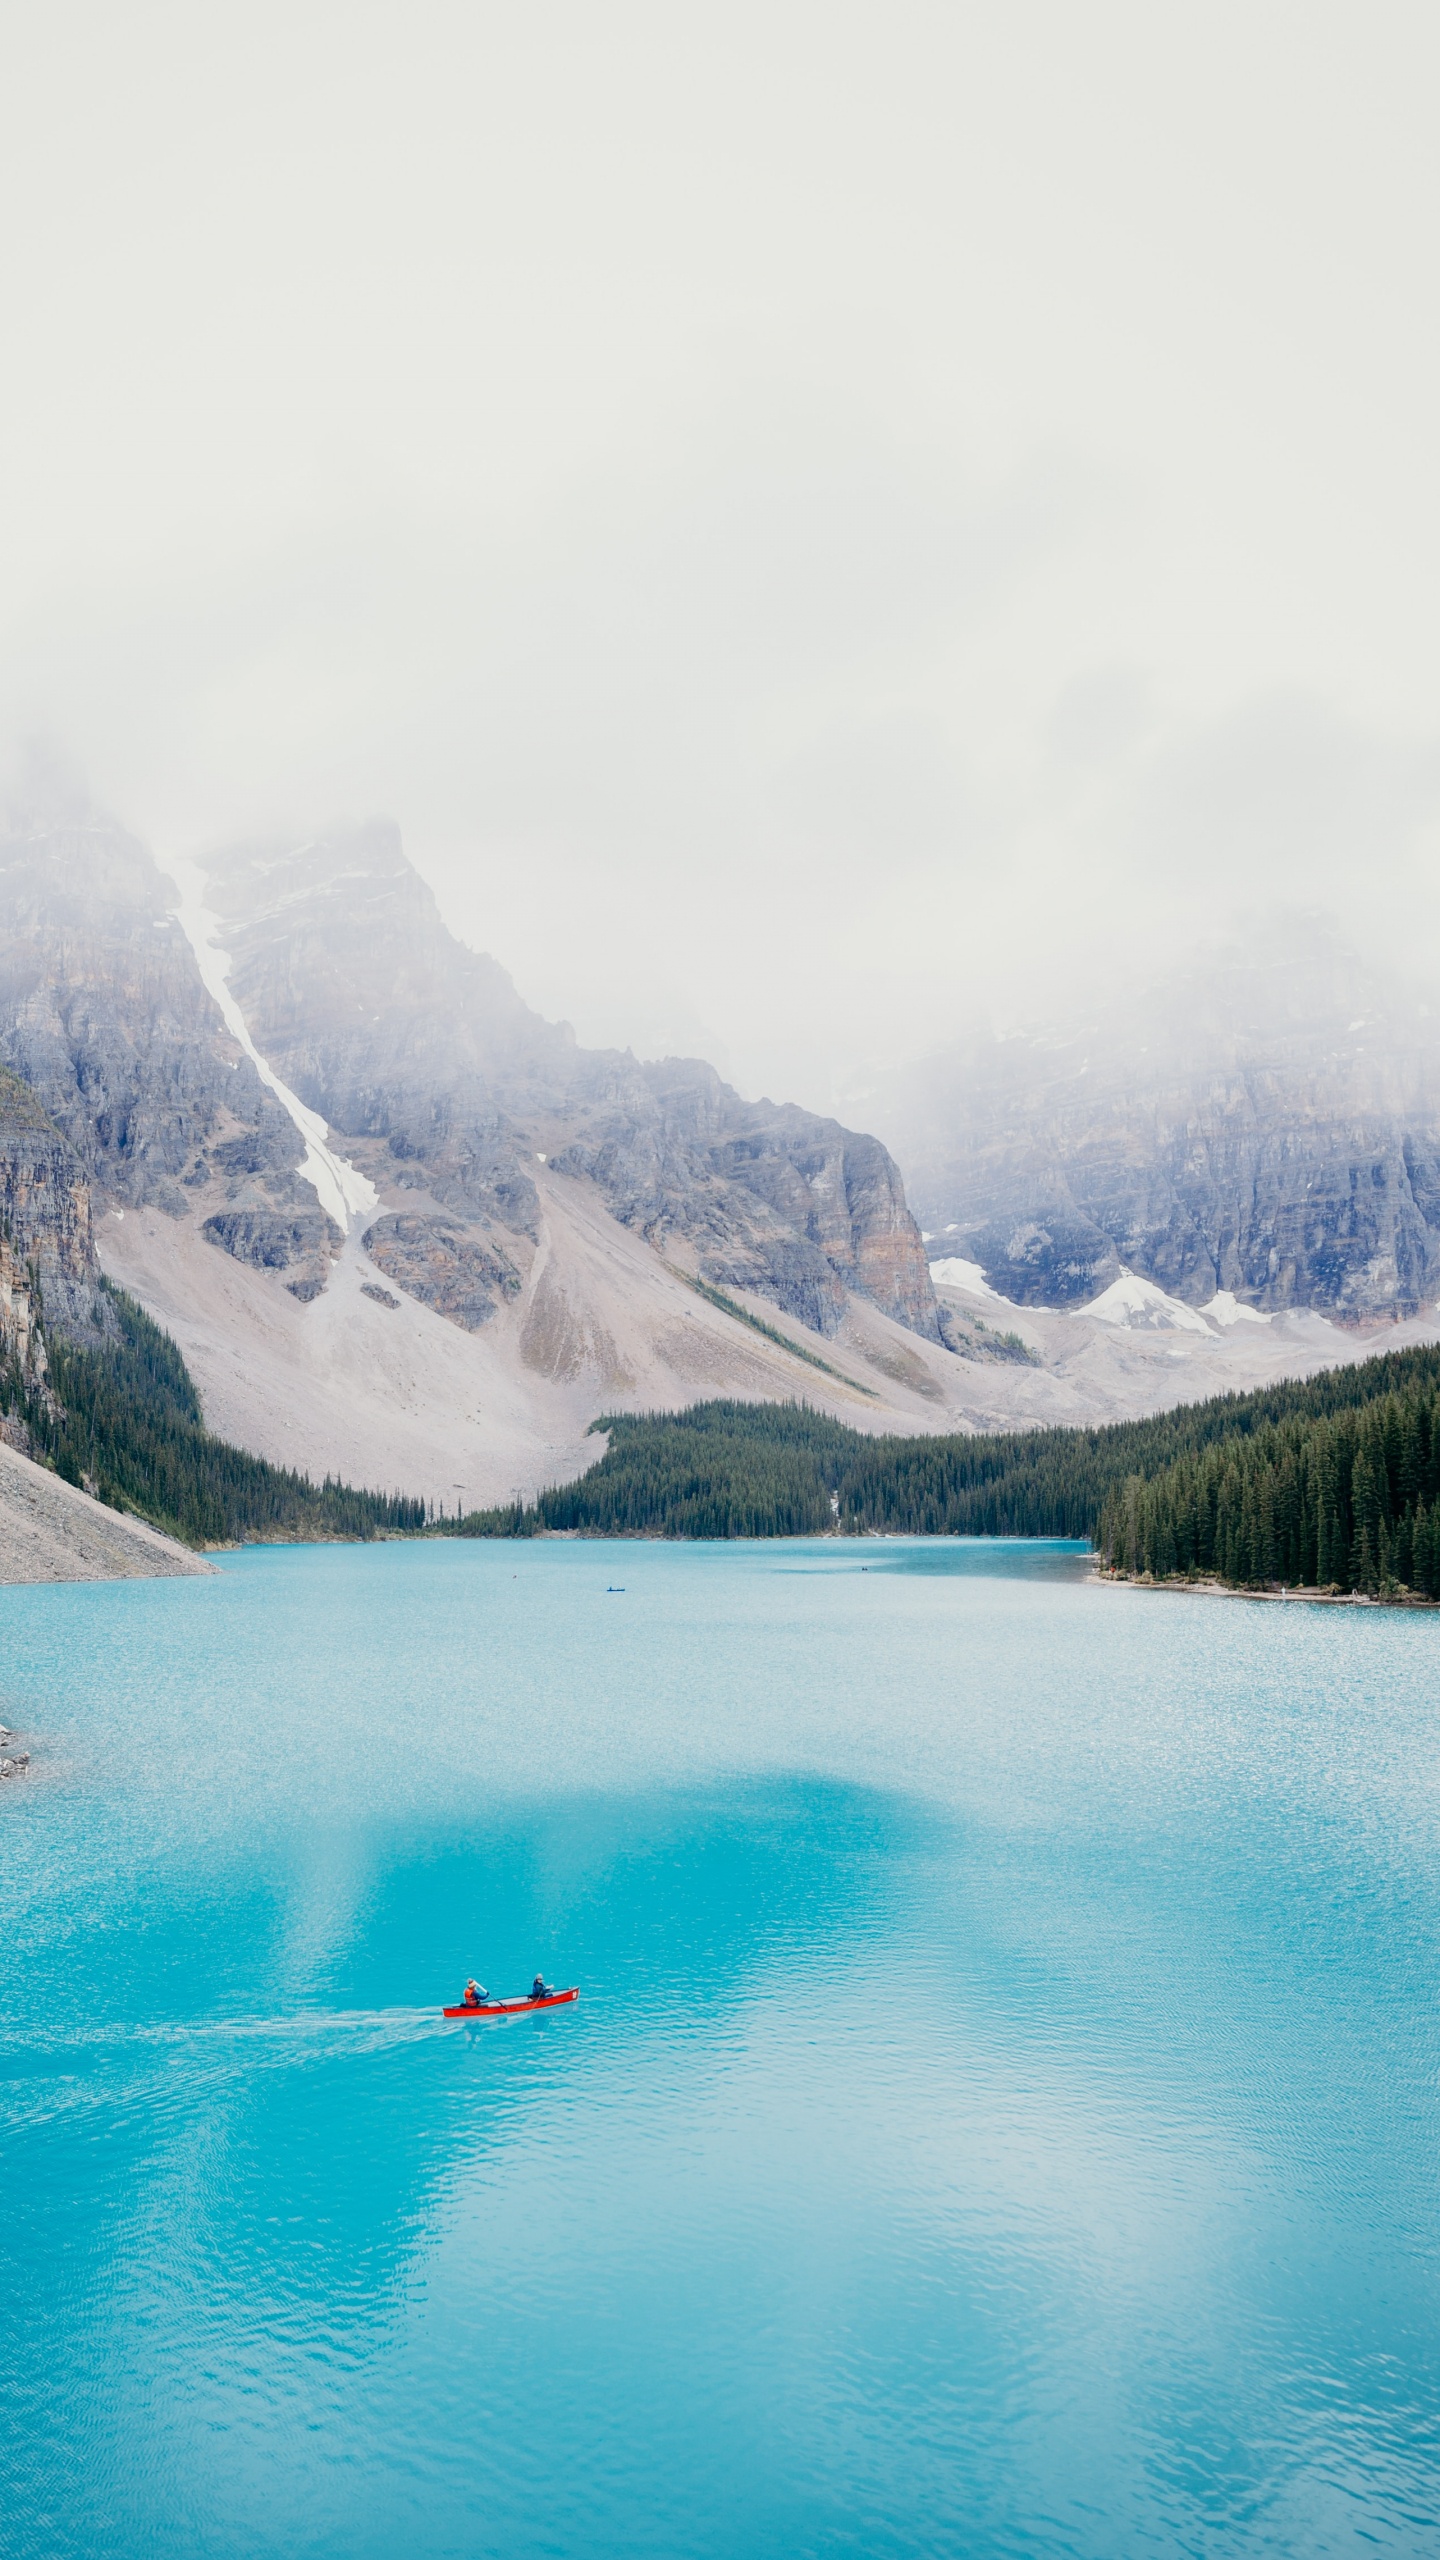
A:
394	1396
51	1532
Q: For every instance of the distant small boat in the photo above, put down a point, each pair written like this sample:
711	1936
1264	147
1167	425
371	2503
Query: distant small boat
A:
510	2008
615	1586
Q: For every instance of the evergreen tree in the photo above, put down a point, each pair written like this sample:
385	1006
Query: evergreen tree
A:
1311	1483
123	1420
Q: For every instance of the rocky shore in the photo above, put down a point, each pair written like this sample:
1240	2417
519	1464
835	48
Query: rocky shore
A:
1208	1588
52	1532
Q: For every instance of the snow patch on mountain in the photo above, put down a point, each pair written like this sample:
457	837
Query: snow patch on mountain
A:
1141	1307
952	1272
1226	1309
342	1190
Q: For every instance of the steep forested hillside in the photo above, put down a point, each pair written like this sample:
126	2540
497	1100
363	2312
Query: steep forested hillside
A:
122	1420
1333	1482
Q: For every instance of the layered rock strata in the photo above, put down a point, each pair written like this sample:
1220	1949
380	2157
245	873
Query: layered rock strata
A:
299	1243
442	1265
45	1224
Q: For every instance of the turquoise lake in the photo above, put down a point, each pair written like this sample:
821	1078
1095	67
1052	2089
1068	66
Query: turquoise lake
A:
1000	2115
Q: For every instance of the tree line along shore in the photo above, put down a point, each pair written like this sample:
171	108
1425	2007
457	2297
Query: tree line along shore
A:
120	1418
1330	1484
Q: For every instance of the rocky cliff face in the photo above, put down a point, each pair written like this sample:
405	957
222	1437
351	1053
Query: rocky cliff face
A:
428	1067
1268	1124
297	1241
775	1200
107	1026
445	1266
104	1015
44	1220
419	1050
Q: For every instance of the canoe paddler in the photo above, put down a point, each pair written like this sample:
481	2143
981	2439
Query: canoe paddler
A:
475	1994
540	1988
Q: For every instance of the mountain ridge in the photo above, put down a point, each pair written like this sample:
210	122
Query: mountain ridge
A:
393	1030
407	1234
1266	1122
454	1327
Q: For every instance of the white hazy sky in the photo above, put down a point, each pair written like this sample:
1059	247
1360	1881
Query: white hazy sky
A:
813	517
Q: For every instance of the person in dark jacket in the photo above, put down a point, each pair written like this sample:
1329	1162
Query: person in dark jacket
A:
539	1988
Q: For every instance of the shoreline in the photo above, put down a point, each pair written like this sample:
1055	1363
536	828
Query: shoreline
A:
1209	1588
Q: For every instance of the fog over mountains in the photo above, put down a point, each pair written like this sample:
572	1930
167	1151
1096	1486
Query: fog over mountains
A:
409	1232
404	1228
427	1065
1264	1122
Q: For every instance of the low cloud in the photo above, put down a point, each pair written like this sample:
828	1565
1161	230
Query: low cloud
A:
815	529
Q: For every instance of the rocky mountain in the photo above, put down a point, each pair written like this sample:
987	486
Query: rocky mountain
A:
404	1229
428	1067
105	1021
407	1233
1266	1122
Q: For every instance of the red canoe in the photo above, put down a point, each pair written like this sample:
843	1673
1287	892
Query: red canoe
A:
512	2008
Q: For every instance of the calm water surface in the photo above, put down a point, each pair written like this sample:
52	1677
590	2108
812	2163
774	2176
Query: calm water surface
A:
1000	2116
